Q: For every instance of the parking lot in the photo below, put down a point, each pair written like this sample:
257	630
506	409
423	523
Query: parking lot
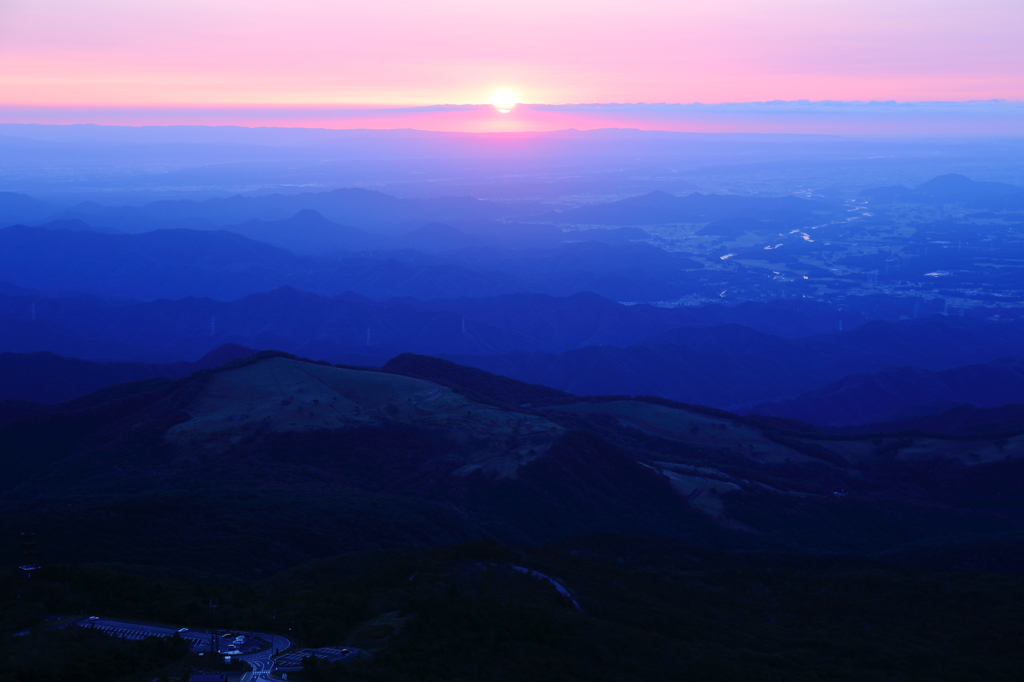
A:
199	641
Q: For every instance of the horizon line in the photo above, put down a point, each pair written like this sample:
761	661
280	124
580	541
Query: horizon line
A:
388	106
945	118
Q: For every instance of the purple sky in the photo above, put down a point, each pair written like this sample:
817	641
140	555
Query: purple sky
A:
230	53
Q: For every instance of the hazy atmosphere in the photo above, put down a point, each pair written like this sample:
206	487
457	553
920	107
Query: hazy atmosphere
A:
504	341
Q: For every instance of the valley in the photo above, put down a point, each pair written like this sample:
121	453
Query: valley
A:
653	429
511	341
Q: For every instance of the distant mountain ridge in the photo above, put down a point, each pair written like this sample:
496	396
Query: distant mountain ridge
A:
730	366
21	208
312	325
965	419
175	263
48	378
661	207
308	233
951	189
377	212
879	396
583	344
360	208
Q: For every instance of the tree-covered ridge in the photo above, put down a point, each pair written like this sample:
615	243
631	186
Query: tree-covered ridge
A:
651	609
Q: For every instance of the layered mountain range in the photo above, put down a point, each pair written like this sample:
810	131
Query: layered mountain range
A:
564	411
725	357
660	437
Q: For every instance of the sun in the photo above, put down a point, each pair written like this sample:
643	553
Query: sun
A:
504	100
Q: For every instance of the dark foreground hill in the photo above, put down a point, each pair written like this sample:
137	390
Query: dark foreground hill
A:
418	464
649	609
306	460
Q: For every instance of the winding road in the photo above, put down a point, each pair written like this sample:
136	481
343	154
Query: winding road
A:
261	662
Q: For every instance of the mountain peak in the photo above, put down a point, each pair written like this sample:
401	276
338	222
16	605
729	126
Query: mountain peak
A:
308	215
223	354
655	198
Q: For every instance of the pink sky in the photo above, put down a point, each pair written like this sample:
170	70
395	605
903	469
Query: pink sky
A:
342	52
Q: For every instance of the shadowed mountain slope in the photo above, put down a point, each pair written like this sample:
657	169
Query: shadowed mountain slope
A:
150	265
583	344
174	263
960	419
389	458
48	378
474	383
100	328
878	396
177	262
307	233
18	208
729	365
21	335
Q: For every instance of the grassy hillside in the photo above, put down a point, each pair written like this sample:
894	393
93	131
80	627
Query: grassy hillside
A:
307	460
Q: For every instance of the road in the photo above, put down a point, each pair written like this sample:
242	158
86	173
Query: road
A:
261	668
261	662
559	587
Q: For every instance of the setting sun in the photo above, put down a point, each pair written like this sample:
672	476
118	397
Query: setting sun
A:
504	100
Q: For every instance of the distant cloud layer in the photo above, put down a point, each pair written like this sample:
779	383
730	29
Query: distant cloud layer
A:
973	119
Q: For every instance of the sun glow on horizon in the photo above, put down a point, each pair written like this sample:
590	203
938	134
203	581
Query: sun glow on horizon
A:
504	100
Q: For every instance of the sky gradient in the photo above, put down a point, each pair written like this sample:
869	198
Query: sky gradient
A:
187	53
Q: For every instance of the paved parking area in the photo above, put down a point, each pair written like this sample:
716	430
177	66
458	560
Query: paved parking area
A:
198	641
